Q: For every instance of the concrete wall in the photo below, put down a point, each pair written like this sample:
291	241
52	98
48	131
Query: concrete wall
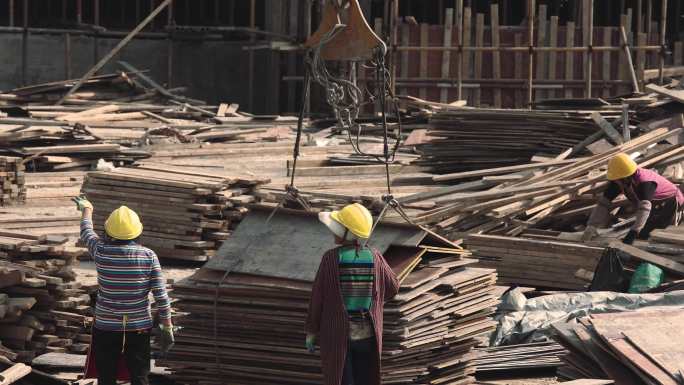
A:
215	71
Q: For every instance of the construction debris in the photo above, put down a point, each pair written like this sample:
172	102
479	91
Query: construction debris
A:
430	327
629	348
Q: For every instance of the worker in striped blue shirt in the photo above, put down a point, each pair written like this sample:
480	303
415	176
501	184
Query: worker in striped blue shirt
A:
126	273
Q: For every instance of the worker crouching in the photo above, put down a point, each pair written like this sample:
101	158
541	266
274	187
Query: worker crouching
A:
126	273
658	202
347	301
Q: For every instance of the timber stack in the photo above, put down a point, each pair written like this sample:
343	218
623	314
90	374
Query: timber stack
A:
186	215
42	307
12	180
430	327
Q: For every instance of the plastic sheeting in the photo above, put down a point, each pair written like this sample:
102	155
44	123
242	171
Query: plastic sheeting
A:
524	320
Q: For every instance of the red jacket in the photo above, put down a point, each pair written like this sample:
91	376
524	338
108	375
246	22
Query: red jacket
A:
328	318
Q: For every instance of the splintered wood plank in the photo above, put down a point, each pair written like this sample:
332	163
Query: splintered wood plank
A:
553	42
496	56
605	66
518	70
446	54
569	56
423	69
479	42
541	56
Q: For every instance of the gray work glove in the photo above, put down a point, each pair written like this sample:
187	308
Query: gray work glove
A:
167	338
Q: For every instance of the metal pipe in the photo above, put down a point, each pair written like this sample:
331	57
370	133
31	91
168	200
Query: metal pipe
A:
590	39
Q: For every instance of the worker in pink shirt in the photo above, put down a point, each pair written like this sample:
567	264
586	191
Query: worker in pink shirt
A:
658	202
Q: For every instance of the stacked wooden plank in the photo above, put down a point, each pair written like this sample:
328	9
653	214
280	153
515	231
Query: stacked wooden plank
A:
248	328
431	325
463	139
12	181
42	307
629	348
186	215
536	355
111	116
536	263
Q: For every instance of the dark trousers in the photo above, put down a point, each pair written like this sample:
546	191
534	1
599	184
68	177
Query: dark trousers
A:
361	356
107	347
664	213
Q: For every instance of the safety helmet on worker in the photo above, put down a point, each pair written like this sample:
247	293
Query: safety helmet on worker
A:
353	218
123	224
621	166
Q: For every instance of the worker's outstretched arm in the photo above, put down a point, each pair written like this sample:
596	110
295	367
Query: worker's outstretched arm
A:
387	275
88	235
161	297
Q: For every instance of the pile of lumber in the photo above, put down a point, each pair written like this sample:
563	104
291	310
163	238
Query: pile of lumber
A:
536	355
534	262
112	116
186	215
630	348
431	325
12	181
42	307
243	317
465	139
504	202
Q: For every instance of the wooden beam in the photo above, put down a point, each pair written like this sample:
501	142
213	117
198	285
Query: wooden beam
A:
608	128
628	56
446	55
645	256
530	40
553	42
589	40
663	27
459	28
496	57
114	51
477	69
541	56
569	56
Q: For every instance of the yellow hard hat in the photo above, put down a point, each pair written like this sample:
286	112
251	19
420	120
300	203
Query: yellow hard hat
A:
123	223
356	218
621	166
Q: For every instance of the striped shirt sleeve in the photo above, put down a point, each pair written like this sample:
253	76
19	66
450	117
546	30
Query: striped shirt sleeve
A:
89	237
158	288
